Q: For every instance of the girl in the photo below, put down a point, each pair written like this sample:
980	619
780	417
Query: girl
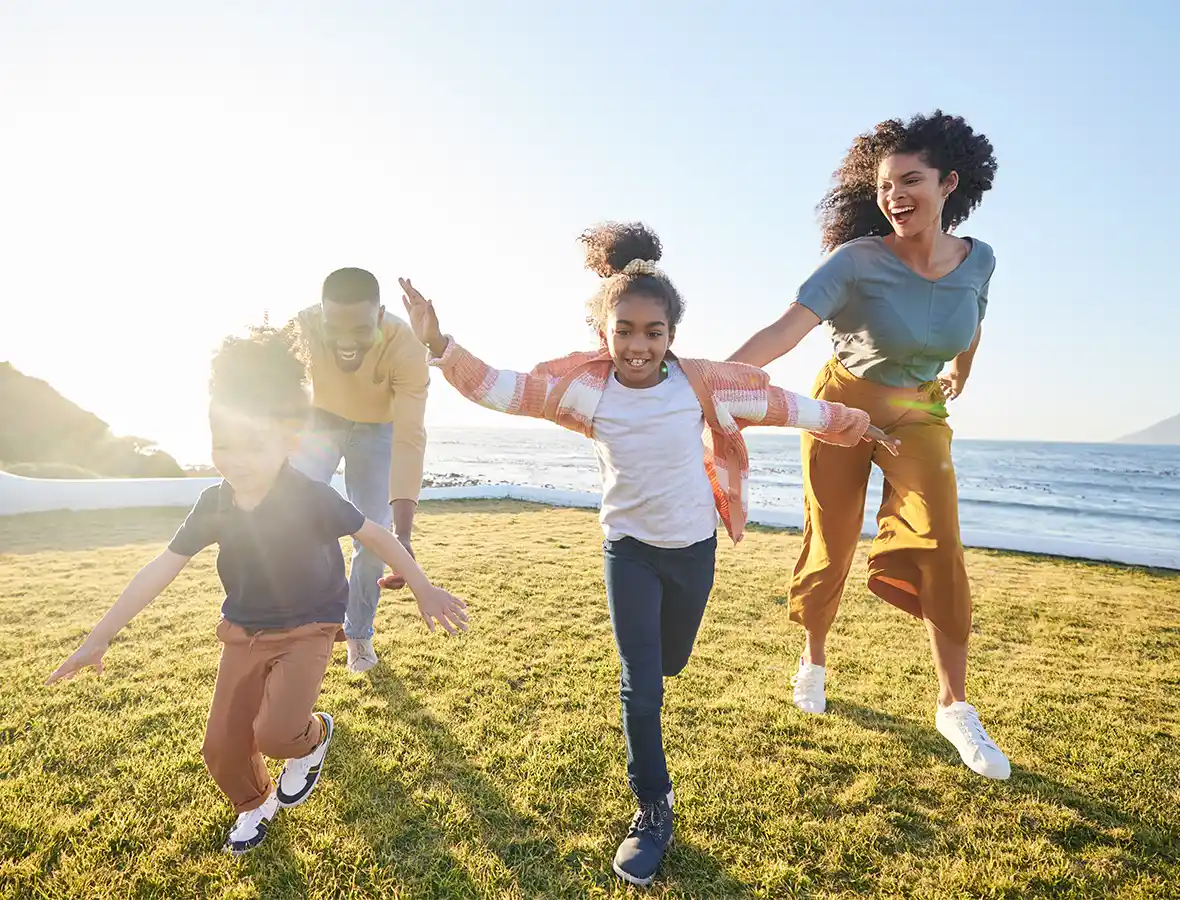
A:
663	487
902	298
278	534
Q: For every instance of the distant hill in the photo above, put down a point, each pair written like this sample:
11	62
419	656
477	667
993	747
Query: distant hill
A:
42	434
1165	432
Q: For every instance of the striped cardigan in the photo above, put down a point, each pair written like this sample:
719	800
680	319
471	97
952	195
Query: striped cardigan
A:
732	396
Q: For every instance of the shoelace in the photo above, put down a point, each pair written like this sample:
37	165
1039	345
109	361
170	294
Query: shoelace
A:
649	817
805	681
249	820
972	728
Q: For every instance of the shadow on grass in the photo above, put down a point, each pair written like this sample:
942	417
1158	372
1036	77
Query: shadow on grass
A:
1154	846
428	836
95	529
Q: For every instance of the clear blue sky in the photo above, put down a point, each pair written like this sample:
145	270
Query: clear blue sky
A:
166	176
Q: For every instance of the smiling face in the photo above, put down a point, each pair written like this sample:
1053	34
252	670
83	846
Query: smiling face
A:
638	336
351	330
911	194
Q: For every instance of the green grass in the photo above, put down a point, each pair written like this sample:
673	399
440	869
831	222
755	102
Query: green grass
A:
492	765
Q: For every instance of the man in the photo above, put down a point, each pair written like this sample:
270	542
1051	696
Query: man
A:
369	381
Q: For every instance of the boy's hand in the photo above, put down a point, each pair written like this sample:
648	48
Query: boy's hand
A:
423	318
84	657
437	605
876	434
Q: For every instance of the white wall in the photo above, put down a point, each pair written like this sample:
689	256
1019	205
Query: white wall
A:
26	495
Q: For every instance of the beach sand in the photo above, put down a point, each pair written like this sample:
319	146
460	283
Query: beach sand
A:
492	765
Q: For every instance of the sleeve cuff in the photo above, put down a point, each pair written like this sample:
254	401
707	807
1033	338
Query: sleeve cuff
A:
447	355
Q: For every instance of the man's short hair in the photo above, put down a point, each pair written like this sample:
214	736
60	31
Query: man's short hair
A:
351	286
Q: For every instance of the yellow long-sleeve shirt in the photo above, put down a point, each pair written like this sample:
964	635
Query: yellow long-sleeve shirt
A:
389	386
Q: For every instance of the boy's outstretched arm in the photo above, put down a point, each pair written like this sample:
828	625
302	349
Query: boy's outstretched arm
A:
148	583
434	604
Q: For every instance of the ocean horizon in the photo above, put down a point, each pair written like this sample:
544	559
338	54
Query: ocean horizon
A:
1103	494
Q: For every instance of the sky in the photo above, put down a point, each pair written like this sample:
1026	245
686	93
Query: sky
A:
169	176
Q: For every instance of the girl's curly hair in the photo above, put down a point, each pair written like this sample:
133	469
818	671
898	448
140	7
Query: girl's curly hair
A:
947	143
261	375
625	255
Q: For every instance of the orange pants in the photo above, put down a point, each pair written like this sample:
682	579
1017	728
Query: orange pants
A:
916	560
267	686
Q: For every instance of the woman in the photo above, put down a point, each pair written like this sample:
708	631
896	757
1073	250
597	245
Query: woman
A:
902	298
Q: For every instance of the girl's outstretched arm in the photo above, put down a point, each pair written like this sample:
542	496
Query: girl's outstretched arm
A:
763	403
148	583
515	393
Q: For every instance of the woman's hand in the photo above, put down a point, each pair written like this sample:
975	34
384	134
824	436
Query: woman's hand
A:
423	318
889	443
952	382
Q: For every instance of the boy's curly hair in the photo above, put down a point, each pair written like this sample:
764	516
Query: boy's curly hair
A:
625	255
262	374
947	143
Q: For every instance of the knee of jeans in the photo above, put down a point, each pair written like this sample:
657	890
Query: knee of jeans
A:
638	702
673	667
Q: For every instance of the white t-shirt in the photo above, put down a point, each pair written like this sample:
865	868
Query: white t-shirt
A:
652	459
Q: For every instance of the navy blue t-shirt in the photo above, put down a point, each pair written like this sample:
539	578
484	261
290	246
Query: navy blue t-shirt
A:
280	563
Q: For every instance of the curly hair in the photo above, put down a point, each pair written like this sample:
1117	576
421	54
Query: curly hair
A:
625	255
262	374
947	143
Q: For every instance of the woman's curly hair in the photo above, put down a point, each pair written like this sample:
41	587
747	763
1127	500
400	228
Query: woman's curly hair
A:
947	143
625	255
262	374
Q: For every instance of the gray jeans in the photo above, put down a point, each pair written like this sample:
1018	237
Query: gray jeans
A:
366	449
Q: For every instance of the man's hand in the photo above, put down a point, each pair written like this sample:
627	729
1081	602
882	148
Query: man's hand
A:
396	582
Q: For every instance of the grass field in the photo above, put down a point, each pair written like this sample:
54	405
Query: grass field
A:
492	765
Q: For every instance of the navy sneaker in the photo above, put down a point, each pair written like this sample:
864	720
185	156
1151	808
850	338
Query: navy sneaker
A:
301	775
639	856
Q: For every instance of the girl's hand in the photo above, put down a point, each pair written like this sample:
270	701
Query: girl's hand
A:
423	318
437	605
876	434
84	657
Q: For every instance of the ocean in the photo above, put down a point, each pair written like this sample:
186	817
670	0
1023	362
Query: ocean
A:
1098	494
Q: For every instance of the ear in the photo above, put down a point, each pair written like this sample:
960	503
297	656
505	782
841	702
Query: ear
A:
671	334
949	184
602	338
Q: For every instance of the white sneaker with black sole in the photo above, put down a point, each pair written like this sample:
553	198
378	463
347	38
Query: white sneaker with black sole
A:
250	829
300	776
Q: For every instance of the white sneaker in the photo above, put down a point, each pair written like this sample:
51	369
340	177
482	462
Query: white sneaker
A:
809	688
301	775
250	828
959	723
361	656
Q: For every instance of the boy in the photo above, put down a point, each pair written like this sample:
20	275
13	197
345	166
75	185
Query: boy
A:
278	534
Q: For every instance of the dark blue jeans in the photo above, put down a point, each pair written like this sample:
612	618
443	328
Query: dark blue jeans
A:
657	599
